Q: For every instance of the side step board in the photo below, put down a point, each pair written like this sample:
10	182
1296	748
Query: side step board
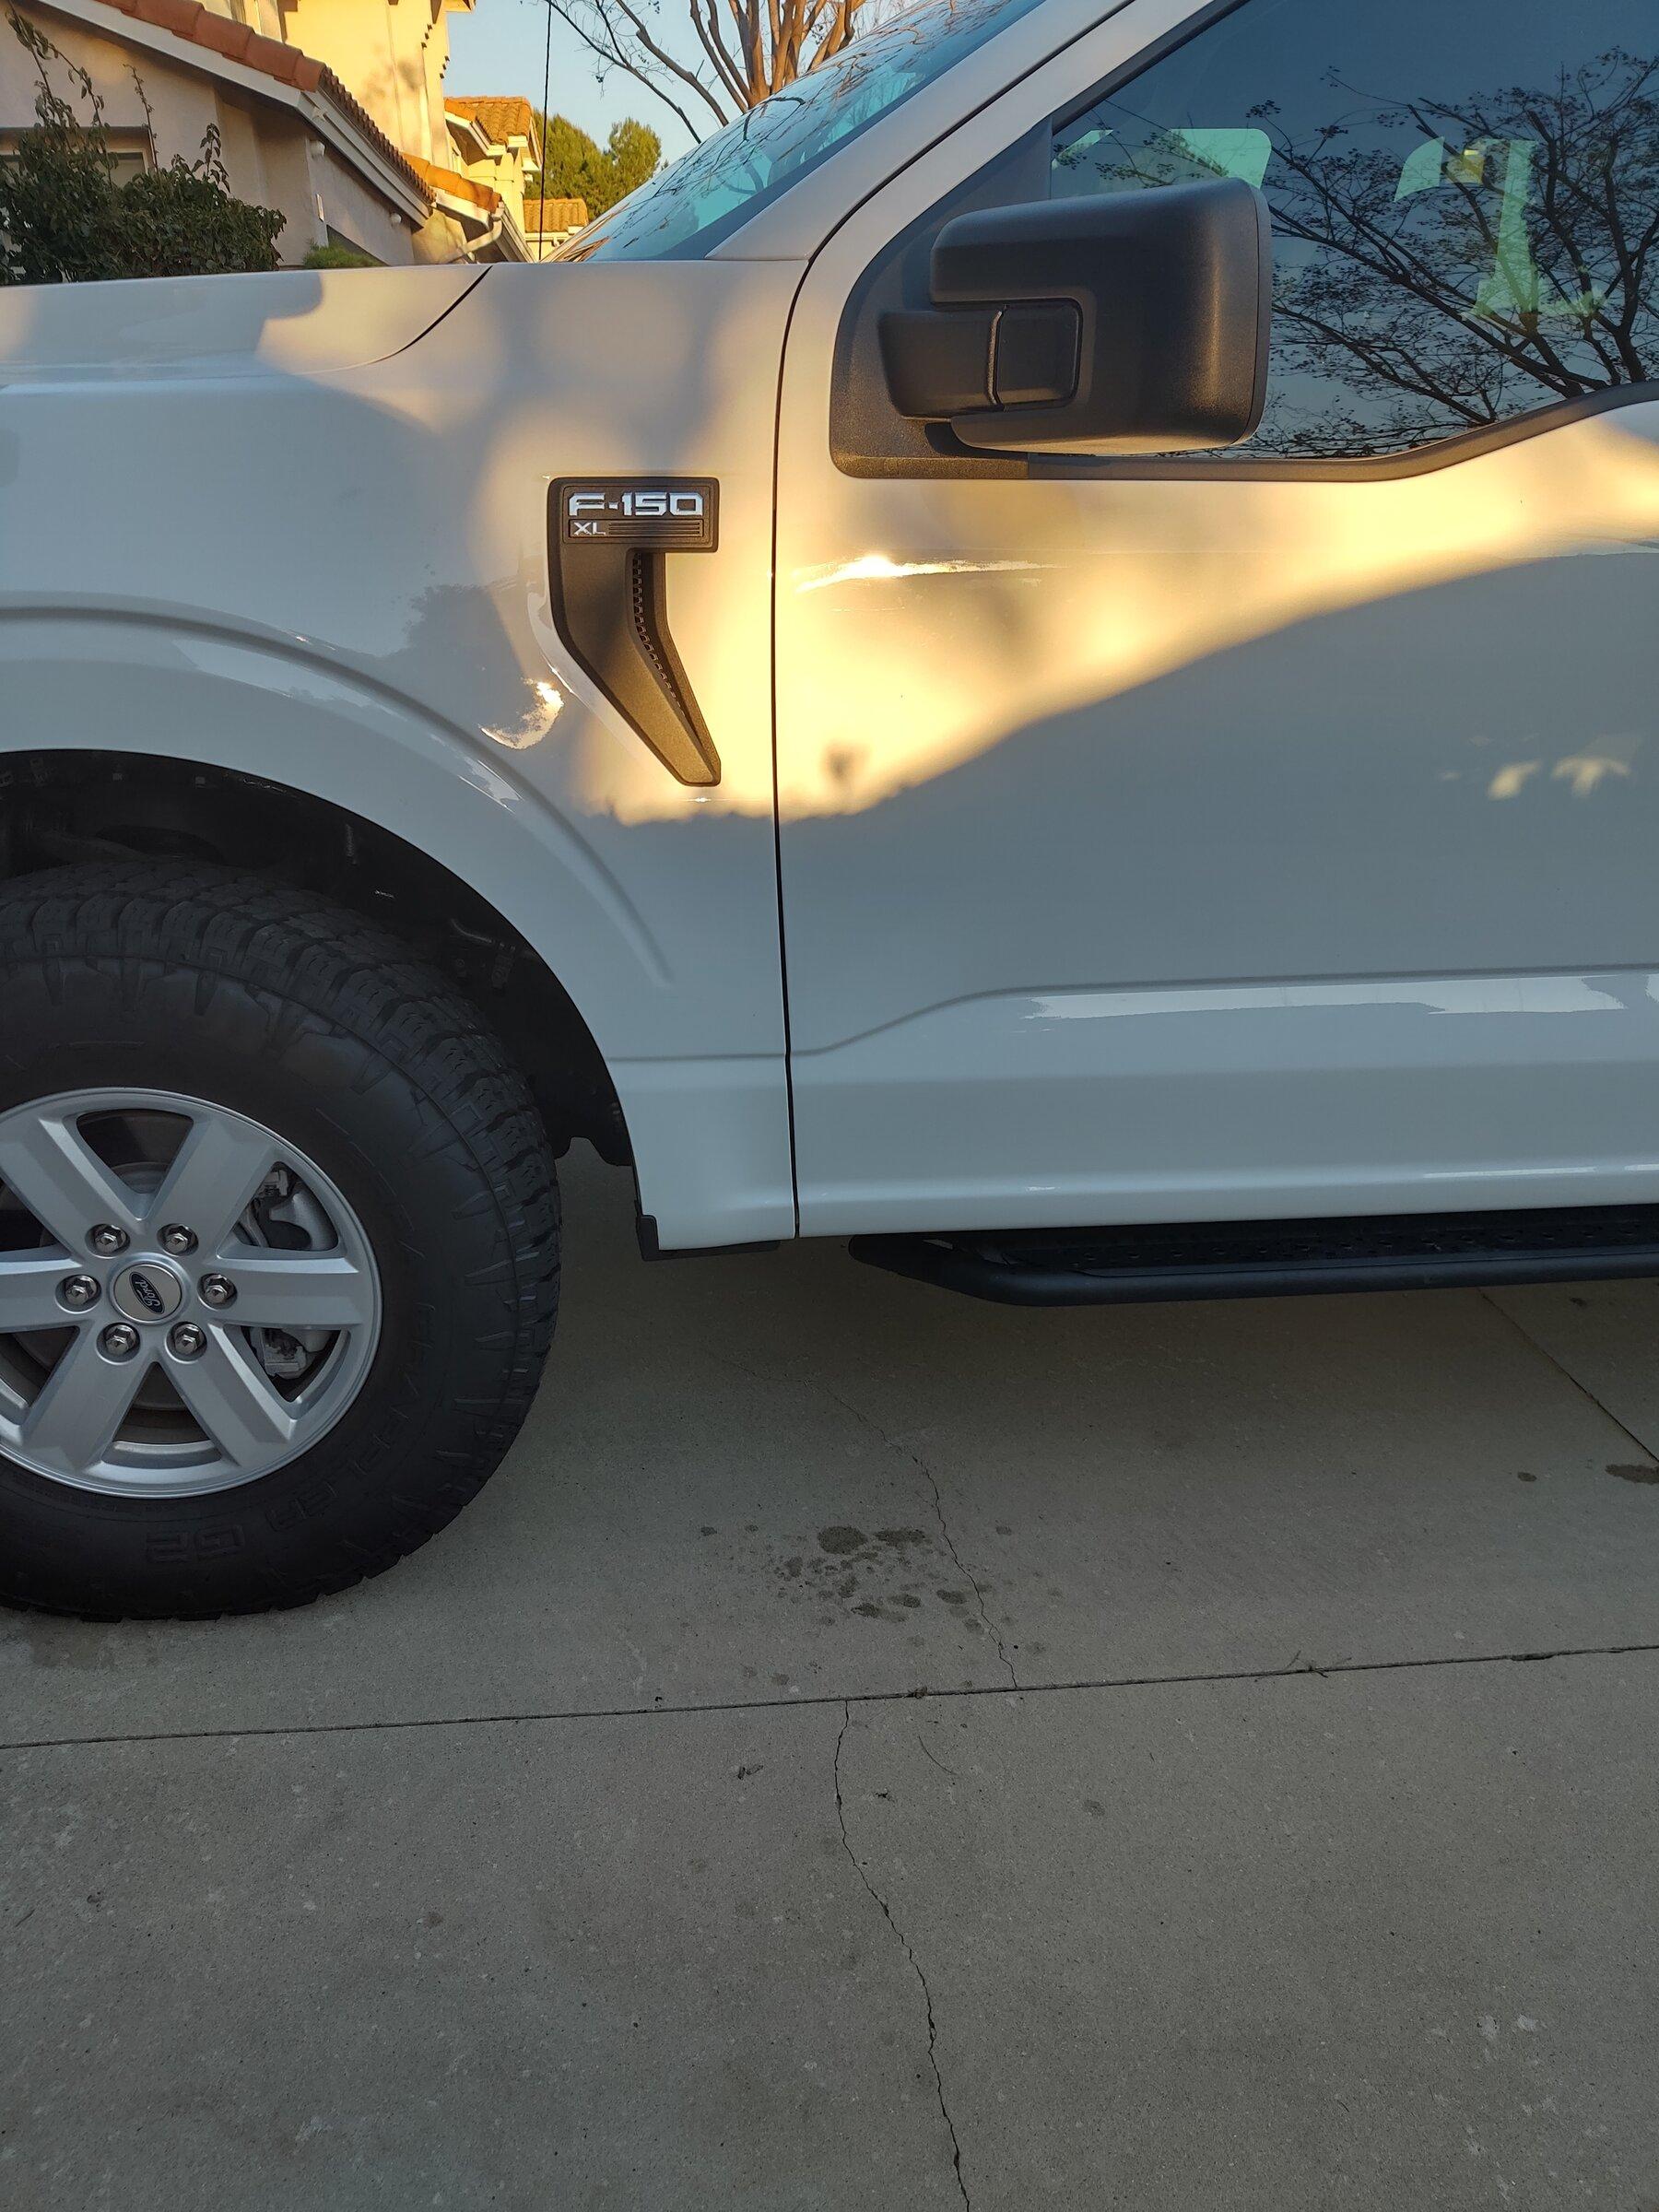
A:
1275	1259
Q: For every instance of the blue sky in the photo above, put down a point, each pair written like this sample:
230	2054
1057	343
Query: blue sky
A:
499	47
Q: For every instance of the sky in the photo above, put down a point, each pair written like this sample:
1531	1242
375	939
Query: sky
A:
500	48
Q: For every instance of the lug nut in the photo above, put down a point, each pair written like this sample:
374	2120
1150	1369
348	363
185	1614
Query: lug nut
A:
107	1239
79	1292
187	1341
119	1341
217	1289
178	1240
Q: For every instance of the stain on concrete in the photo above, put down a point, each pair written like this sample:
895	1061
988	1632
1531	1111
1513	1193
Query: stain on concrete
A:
841	1541
1637	1474
885	1575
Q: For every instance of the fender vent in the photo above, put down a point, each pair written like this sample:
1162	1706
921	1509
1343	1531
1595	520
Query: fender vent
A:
610	540
651	628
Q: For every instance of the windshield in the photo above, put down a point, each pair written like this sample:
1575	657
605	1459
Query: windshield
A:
689	206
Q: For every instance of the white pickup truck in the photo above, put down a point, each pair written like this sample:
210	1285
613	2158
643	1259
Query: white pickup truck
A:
1043	656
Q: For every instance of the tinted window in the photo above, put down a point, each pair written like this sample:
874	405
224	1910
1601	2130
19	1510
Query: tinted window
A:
702	197
1464	196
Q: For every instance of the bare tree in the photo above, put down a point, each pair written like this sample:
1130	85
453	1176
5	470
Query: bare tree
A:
1528	259
745	50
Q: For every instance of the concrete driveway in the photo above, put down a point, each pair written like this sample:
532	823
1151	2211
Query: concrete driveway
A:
871	1749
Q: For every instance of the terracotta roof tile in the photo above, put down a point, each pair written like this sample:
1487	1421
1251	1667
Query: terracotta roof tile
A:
455	186
497	116
220	35
554	215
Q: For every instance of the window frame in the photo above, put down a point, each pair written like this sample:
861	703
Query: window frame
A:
854	357
128	144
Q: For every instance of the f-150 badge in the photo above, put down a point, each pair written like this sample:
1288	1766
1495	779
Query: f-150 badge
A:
673	514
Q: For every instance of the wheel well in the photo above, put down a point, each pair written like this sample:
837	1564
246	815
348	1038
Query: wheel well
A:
57	808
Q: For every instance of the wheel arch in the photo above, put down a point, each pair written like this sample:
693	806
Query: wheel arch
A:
63	803
143	690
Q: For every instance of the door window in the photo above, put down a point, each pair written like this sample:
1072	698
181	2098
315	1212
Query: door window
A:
1465	202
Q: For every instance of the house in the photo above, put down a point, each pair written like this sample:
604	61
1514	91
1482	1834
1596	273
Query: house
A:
547	223
331	110
497	145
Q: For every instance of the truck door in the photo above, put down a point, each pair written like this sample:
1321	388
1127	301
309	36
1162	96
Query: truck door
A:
1265	831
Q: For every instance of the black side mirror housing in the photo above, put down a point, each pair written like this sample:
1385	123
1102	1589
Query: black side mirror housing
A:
1128	322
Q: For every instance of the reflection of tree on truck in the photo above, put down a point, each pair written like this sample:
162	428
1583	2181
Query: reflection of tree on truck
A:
1439	249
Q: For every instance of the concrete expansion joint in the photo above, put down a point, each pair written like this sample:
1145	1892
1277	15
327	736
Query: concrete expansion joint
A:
1584	1389
915	1964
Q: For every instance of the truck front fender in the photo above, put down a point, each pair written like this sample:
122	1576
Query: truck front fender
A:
709	1145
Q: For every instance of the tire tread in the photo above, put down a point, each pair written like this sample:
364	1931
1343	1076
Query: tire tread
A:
320	966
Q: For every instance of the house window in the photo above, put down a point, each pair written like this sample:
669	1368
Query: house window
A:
130	152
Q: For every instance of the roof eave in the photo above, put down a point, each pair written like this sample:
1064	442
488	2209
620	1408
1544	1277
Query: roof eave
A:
319	112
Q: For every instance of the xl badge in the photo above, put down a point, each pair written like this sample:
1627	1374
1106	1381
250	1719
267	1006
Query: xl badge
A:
667	514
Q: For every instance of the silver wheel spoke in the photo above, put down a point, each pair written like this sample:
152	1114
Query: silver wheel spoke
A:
196	1408
298	1290
29	1282
71	1424
217	1170
237	1406
49	1165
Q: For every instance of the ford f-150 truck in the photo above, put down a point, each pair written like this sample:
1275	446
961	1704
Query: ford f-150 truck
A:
1041	655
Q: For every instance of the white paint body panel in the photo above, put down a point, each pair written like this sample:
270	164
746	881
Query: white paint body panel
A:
1188	849
337	577
196	326
1150	849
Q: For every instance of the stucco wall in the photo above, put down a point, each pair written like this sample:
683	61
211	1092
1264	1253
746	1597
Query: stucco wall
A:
389	57
272	156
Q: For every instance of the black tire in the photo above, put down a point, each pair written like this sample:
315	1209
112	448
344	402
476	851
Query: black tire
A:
319	1025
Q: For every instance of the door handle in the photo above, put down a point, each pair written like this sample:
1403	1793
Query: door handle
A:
609	543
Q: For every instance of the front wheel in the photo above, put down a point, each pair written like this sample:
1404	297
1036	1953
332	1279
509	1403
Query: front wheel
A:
278	1245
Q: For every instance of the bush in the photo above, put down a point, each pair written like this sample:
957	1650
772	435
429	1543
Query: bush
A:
64	219
338	257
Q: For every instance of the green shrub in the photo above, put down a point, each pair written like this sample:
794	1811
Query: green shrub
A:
338	257
64	220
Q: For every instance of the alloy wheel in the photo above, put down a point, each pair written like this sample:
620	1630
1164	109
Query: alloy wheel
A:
187	1302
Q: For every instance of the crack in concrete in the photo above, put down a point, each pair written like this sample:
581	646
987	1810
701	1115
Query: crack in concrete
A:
931	1761
885	1911
907	1452
922	1467
962	1566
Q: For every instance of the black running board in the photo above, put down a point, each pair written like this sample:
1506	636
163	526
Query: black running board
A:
1275	1259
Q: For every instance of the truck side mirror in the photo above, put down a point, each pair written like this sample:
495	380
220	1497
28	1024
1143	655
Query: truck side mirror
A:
1131	322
